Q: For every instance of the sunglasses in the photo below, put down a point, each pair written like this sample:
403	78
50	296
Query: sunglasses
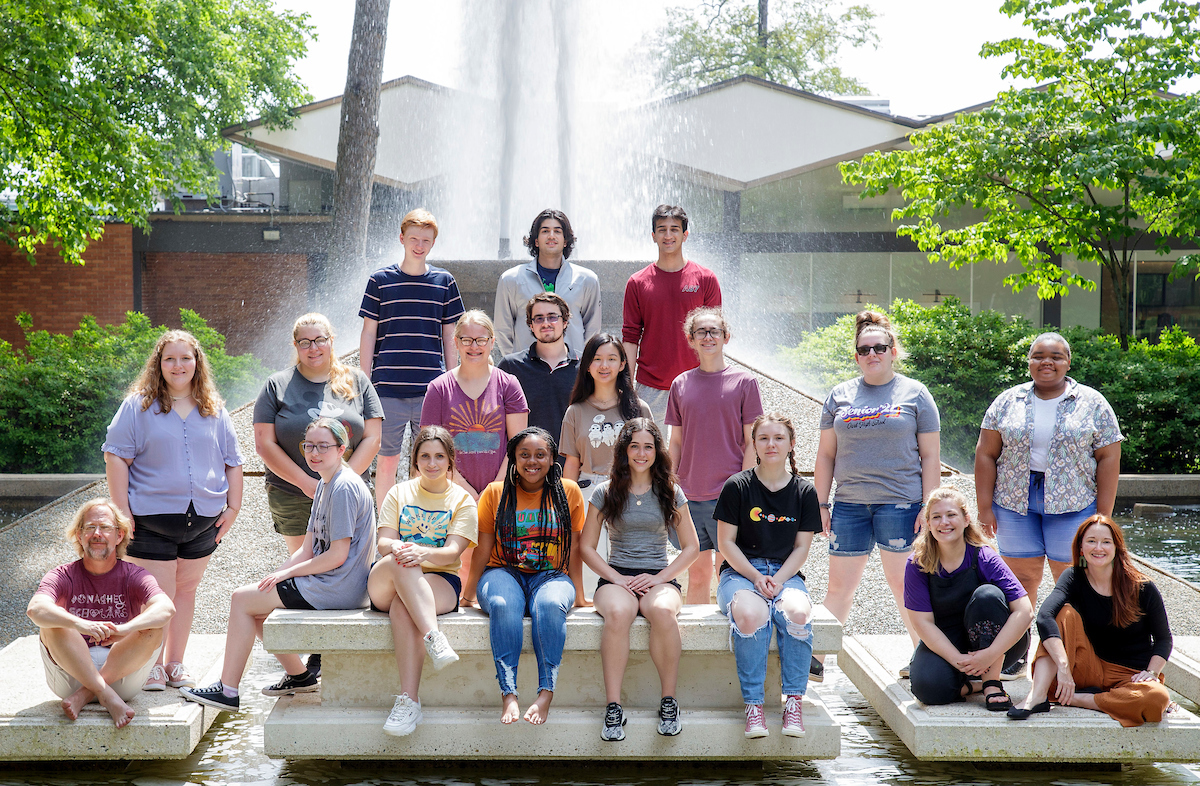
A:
879	349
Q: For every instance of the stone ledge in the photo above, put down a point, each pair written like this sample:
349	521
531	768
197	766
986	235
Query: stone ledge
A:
300	728
968	732
702	627
33	727
1182	672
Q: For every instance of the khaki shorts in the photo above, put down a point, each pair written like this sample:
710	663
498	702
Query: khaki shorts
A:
63	684
289	513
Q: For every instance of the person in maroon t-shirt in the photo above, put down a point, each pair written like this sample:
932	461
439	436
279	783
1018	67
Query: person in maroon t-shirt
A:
657	299
101	618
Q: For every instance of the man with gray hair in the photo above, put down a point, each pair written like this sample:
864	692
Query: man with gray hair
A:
101	618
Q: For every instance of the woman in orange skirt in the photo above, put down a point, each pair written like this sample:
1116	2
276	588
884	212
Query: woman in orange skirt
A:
1104	634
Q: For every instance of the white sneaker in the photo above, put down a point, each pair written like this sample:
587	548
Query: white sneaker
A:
404	717
439	649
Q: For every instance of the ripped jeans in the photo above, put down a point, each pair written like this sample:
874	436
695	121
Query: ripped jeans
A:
506	595
750	650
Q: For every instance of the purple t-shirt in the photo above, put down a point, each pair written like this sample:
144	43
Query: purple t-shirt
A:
992	568
117	596
477	424
712	407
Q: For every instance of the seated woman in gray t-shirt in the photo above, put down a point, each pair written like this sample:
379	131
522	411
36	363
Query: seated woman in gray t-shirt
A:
639	504
329	571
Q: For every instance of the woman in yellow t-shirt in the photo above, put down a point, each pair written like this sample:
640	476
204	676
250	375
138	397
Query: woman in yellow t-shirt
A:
528	561
424	526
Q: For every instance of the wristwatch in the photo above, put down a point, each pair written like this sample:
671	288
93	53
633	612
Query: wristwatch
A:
827	505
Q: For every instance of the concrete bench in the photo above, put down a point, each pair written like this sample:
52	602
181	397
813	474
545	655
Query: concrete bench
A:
34	728
461	704
969	732
1182	673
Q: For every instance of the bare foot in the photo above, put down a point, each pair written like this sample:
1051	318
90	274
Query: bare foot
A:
121	712
540	709
73	704
511	711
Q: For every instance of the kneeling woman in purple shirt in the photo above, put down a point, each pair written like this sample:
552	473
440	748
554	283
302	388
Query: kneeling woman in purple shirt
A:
969	610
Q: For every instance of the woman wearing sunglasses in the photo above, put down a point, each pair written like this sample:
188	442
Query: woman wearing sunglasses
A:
880	442
317	385
482	407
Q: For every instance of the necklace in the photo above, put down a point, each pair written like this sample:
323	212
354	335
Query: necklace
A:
637	498
605	404
181	398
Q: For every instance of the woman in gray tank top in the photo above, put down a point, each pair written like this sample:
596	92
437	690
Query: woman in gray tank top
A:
639	504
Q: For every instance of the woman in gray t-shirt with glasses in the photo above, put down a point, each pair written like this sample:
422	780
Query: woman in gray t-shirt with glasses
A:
639	504
880	442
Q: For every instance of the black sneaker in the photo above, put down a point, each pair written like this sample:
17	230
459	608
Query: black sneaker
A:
299	683
668	717
614	721
1015	671
314	664
213	696
816	671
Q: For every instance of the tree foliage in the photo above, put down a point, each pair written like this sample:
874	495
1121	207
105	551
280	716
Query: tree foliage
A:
106	105
59	393
1094	164
722	39
967	360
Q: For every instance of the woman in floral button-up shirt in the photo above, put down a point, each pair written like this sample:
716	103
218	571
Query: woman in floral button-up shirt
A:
1048	457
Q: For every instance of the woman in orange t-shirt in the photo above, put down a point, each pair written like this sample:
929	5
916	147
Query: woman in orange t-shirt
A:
528	562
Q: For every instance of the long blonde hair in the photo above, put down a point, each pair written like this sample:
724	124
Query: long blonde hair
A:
341	381
925	548
151	386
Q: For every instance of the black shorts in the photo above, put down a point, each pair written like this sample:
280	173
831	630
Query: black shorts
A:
634	572
173	536
451	578
290	597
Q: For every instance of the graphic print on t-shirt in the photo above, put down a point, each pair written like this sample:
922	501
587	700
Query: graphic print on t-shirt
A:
327	409
476	426
427	527
602	433
864	417
756	514
109	606
529	554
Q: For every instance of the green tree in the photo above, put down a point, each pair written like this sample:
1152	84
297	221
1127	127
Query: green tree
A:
723	39
106	105
1092	164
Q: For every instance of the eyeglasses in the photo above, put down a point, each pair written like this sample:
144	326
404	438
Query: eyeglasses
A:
467	341
103	529
708	333
319	342
880	349
317	447
553	319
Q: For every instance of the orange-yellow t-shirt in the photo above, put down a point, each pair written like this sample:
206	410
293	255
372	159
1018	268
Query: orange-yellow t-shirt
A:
524	540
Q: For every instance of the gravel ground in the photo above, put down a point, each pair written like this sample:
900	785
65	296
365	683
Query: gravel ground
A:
35	544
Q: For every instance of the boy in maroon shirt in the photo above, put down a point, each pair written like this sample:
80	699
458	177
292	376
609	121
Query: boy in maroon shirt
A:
101	618
657	299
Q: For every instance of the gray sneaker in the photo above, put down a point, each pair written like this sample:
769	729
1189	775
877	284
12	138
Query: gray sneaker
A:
614	723
1015	671
668	717
439	649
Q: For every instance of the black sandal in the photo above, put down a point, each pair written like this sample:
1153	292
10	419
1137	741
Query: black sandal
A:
1004	701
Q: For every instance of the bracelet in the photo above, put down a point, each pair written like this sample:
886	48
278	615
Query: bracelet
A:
826	505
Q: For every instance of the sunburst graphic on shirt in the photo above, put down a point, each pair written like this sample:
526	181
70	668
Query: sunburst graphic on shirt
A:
476	427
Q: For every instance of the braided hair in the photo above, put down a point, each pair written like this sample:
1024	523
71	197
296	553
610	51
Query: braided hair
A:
554	496
786	422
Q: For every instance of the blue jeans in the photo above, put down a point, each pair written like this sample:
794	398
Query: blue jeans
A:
750	650
855	528
1037	532
506	595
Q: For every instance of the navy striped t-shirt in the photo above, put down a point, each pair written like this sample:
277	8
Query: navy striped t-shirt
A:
411	311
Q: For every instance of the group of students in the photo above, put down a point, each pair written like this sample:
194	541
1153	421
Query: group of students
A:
515	481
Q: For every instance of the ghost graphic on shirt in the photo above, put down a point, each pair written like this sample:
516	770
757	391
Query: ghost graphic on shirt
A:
610	434
594	432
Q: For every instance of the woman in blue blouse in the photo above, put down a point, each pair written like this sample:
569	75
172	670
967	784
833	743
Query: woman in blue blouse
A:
173	466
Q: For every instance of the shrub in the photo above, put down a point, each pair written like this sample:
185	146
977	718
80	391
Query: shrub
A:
966	361
58	394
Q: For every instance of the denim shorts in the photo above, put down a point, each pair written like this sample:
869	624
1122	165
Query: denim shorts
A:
856	528
1036	533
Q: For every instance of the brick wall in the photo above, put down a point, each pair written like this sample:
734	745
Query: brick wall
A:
253	299
59	295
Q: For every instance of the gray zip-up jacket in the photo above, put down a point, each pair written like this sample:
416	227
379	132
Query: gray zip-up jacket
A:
577	285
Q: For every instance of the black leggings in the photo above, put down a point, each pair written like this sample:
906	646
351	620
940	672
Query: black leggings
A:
933	679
